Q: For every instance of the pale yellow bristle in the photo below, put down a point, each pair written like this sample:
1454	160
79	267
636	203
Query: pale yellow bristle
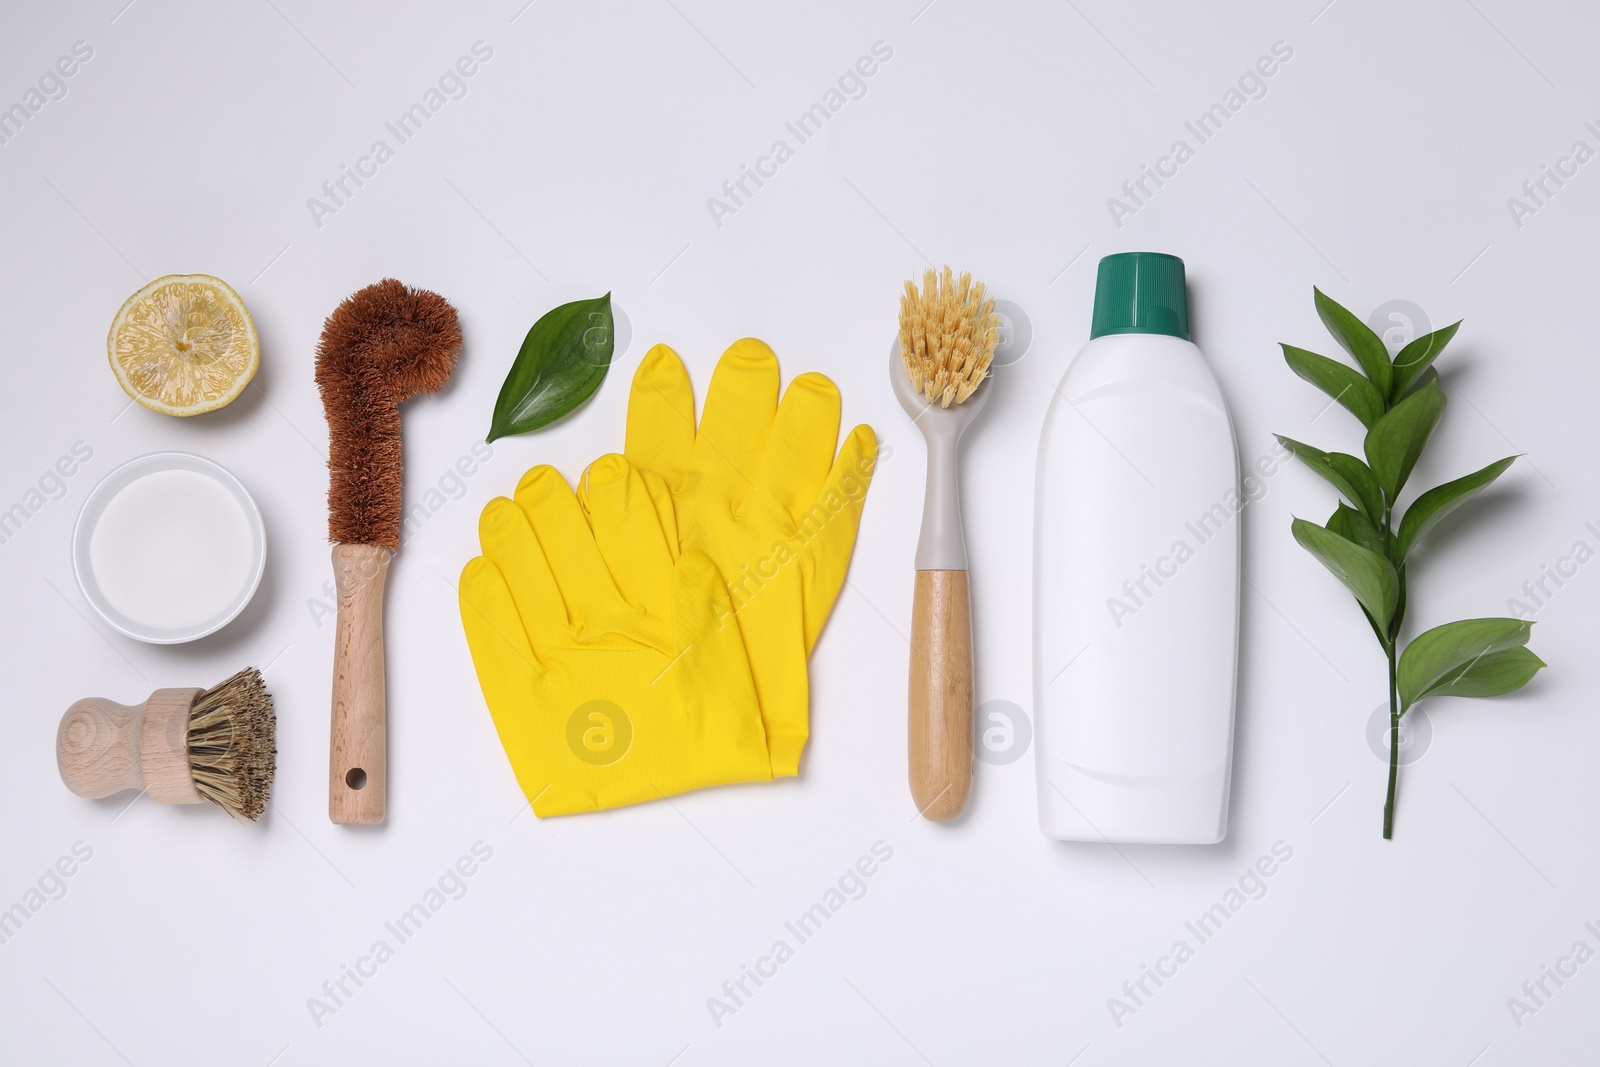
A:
232	753
948	334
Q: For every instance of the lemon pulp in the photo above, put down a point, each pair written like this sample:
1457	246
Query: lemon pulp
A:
184	344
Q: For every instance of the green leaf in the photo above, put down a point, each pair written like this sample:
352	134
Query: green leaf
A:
1419	383
1345	472
1418	356
1343	383
1441	500
561	363
1365	573
1368	496
1358	340
1400	604
1351	525
1466	658
1493	675
1396	440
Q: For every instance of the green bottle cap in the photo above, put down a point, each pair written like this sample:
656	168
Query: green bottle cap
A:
1140	292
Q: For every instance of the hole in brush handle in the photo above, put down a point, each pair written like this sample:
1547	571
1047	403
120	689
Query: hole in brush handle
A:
356	778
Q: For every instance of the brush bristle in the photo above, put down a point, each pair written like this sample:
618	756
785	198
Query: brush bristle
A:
382	345
232	753
948	333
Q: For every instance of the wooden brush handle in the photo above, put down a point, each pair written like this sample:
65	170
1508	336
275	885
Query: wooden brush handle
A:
359	753
941	694
103	747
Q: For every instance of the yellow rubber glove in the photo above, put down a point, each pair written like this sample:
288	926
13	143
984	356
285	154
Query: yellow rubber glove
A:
758	489
604	654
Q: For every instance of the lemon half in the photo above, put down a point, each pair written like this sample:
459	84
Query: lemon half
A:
184	344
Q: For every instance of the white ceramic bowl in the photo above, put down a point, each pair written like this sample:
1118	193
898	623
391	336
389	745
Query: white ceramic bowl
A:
120	479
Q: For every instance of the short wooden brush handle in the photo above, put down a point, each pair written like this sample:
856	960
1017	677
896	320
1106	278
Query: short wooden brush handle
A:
358	766
103	747
941	694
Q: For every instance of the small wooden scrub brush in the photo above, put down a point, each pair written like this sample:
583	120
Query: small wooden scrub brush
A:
182	746
948	334
382	345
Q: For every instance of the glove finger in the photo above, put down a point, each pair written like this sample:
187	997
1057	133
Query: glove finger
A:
830	527
713	674
627	531
740	406
507	671
660	434
799	447
511	548
666	513
591	597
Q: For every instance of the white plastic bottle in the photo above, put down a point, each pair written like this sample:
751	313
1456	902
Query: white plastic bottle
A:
1136	575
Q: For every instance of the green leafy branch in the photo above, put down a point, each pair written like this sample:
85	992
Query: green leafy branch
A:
1399	402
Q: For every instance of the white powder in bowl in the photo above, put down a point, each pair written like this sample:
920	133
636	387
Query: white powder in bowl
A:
172	550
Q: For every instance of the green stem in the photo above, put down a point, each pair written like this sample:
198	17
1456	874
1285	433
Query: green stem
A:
1394	688
1394	745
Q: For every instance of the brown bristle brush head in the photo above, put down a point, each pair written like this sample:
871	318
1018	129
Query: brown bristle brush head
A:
948	334
382	345
182	746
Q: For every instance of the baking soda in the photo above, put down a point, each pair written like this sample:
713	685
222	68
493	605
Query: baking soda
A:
172	550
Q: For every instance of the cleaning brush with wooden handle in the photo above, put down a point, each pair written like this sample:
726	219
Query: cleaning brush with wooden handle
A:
182	746
948	334
382	345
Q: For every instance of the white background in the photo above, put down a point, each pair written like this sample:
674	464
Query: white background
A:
1378	166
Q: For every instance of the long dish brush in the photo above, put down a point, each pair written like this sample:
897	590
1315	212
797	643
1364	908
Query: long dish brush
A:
948	333
182	746
381	346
